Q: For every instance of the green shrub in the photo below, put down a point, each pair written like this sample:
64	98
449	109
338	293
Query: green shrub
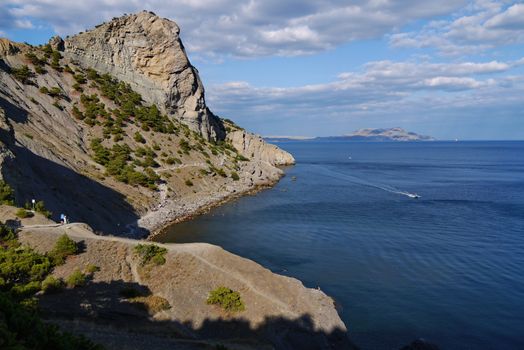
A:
7	194
22	74
77	113
80	78
40	208
33	58
52	284
40	70
228	299
235	176
7	235
241	158
151	253
90	269
55	91
48	50
185	146
55	60
20	266
139	138
22	273
22	328
76	279
58	105
22	213
78	87
189	183
63	248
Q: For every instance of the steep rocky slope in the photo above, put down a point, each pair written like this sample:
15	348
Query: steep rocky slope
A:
110	127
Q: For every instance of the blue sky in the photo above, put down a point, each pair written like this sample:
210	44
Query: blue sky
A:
450	69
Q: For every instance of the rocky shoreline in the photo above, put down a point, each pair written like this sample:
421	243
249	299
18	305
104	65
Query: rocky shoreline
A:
171	212
177	213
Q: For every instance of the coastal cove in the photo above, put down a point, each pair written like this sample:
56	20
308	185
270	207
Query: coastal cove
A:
445	267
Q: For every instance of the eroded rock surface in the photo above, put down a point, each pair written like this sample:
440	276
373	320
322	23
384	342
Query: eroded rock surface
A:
145	51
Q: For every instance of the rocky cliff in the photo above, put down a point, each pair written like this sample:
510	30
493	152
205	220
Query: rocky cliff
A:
145	51
111	127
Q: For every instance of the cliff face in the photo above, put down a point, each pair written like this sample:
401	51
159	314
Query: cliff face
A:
145	51
111	127
251	145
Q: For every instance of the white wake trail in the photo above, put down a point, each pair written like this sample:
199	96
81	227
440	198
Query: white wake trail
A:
359	181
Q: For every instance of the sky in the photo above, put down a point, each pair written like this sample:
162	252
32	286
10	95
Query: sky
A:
449	68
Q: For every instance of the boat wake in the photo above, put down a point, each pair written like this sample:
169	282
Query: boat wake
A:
359	181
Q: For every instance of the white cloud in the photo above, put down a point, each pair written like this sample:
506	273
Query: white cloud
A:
484	25
23	23
382	88
512	18
454	83
253	28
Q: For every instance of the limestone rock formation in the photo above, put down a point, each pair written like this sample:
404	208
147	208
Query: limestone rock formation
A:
145	51
251	145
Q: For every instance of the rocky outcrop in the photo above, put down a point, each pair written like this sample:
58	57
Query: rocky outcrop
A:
253	146
145	51
7	47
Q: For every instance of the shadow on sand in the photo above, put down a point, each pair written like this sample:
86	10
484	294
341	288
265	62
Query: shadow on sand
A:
99	311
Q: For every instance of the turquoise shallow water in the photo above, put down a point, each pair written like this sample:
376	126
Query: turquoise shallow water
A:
448	267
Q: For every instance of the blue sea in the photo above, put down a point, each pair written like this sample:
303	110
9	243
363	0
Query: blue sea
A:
447	267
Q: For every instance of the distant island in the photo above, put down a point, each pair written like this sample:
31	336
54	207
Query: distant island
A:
363	135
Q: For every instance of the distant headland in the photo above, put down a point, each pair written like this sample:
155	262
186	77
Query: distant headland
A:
363	135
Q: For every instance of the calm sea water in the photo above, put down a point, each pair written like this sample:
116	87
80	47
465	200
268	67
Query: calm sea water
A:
447	267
